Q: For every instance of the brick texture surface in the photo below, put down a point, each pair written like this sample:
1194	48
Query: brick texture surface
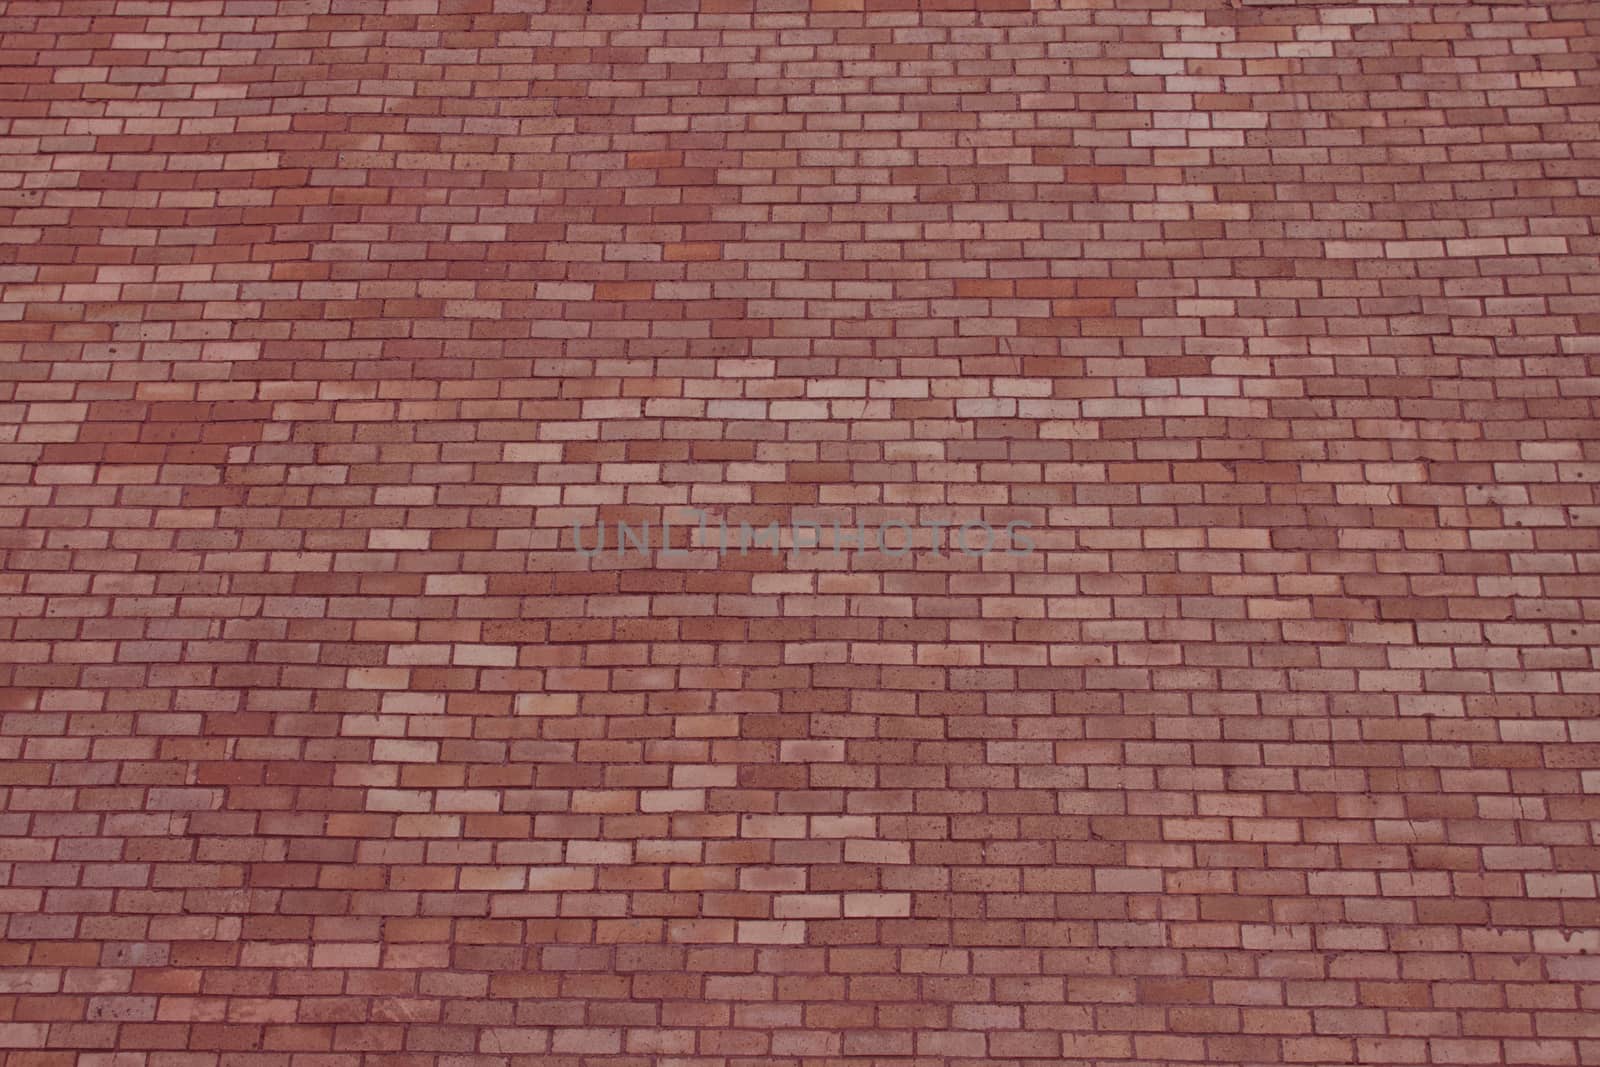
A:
327	325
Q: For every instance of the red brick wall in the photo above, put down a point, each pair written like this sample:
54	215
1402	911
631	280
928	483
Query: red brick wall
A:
323	321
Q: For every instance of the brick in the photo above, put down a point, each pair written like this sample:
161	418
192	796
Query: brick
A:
691	252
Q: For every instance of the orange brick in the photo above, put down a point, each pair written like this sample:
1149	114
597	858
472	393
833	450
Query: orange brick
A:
694	252
623	290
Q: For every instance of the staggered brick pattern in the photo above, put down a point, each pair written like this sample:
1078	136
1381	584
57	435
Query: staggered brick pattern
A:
322	322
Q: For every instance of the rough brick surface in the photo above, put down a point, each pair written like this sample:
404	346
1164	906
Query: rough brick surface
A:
322	322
